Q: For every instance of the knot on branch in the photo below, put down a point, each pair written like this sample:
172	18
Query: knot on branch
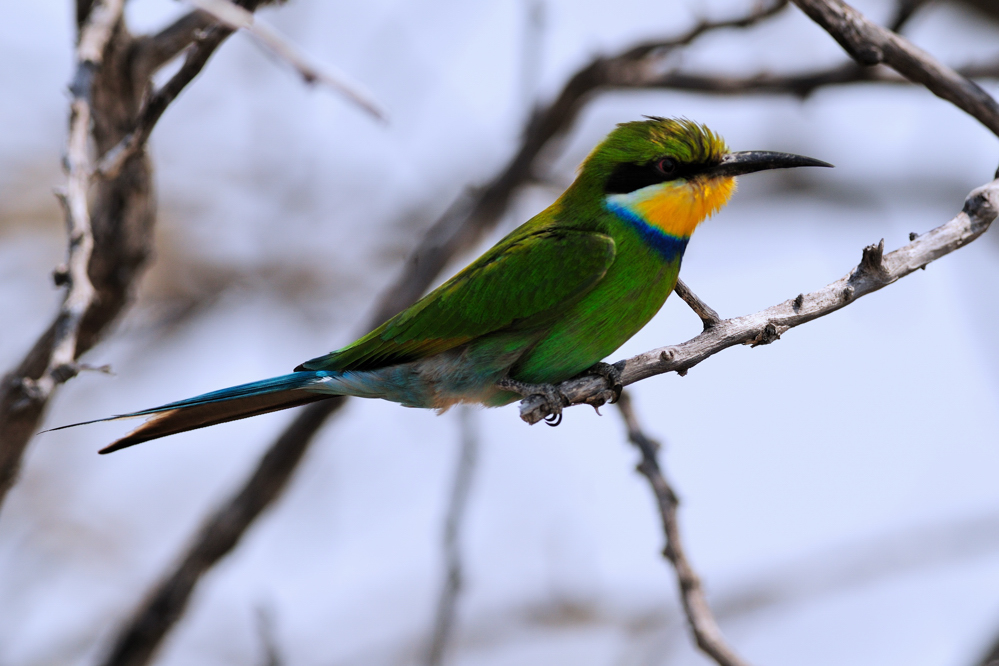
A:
872	262
770	333
64	372
868	55
60	275
980	206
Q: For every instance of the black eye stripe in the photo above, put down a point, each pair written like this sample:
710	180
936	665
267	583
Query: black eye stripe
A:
629	177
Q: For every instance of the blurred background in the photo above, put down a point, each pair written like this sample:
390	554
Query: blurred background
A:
839	488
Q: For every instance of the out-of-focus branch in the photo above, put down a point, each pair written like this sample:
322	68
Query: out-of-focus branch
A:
121	210
453	576
800	85
904	10
26	391
238	18
134	143
875	271
870	44
205	41
468	219
138	642
94	37
702	622
154	51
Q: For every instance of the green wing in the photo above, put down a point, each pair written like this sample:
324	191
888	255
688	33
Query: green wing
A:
524	281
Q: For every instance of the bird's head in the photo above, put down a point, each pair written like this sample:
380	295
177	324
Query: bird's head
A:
673	173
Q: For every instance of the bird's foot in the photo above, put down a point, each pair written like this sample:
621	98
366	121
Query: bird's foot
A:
554	399
612	376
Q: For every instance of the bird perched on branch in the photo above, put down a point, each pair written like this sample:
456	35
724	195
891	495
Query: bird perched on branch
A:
546	303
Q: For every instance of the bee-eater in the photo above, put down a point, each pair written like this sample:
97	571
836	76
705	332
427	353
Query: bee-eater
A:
546	303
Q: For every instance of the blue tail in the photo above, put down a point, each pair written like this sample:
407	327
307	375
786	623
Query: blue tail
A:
237	402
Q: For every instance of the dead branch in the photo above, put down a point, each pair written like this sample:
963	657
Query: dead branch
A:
94	37
709	317
238	18
875	271
453	580
107	91
870	44
702	622
53	360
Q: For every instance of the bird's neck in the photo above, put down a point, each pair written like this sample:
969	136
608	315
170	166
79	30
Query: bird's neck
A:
666	214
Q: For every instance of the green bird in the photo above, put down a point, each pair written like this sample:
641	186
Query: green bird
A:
546	303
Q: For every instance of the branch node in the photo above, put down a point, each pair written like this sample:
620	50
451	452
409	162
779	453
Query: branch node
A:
869	55
60	275
798	301
770	333
848	292
64	372
913	236
872	261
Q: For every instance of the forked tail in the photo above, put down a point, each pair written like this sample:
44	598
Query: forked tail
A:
231	404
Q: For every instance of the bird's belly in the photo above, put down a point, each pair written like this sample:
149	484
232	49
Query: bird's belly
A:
464	374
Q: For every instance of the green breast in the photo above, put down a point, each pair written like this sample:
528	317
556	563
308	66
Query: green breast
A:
631	293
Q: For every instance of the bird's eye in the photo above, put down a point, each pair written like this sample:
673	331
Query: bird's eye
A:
667	166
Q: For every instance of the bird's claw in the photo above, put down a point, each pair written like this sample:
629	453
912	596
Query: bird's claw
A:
612	376
554	399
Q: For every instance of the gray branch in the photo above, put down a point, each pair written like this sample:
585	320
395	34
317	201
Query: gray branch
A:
870	44
875	271
453	576
702	621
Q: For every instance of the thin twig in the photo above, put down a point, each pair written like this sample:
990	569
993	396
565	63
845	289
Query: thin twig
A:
453	576
870	44
800	85
707	314
154	51
702	622
238	18
205	44
875	271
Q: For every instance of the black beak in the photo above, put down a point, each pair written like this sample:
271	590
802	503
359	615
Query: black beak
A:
750	161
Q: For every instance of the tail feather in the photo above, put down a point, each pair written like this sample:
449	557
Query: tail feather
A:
231	404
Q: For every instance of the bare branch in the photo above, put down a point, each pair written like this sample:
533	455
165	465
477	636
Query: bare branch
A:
138	642
453	581
875	271
904	10
110	164
238	18
94	37
154	51
870	44
707	314
702	622
53	361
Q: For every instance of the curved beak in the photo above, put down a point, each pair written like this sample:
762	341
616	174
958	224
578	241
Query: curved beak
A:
750	161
